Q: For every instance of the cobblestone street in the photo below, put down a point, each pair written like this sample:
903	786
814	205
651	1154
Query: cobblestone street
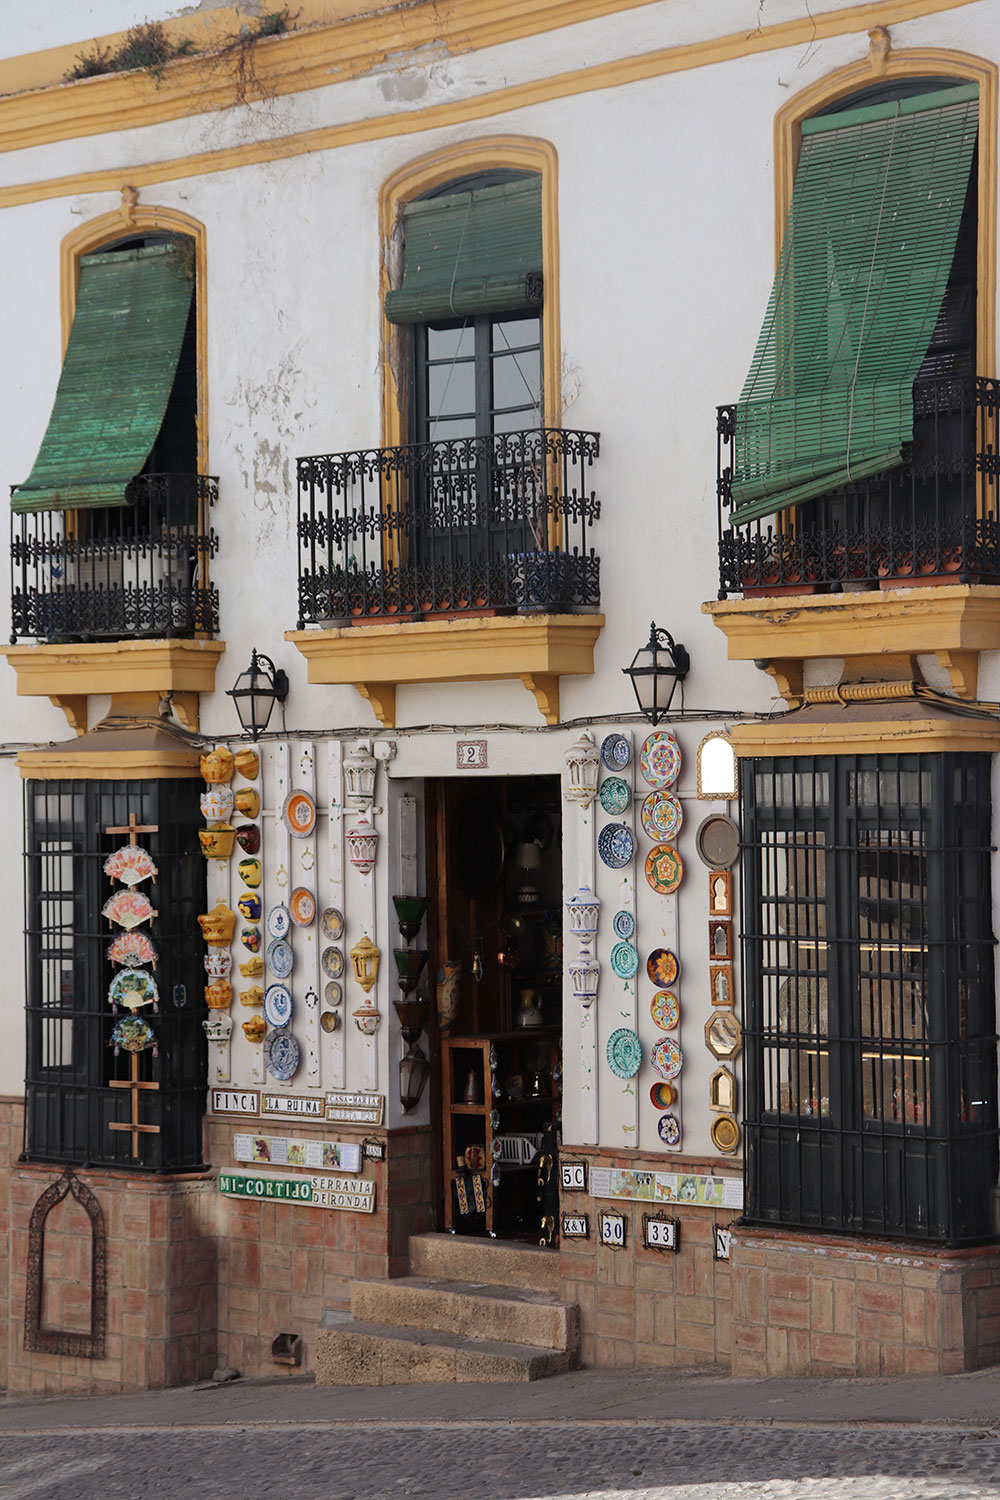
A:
502	1461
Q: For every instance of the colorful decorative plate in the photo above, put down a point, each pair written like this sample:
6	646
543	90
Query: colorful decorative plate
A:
662	815
128	909
279	958
281	1054
668	1128
624	1053
250	938
660	758
624	960
332	924
249	906
664	869
278	1004
615	795
615	845
248	838
616	751
624	924
332	962
667	1058
725	1134
279	922
299	814
133	1034
132	948
333	994
302	905
665	1009
662	967
130	865
662	1095
132	989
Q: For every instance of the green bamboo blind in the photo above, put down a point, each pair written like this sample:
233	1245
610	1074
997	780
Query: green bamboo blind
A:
131	310
863	269
478	251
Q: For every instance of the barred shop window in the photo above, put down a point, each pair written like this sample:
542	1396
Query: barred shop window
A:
871	1064
76	1086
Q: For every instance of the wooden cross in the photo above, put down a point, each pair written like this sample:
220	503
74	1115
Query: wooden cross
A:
132	827
133	1083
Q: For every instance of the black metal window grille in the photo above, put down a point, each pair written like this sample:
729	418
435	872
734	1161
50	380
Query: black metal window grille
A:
870	1062
70	1060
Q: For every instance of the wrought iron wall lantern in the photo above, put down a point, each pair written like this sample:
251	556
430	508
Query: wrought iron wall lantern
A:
655	671
255	693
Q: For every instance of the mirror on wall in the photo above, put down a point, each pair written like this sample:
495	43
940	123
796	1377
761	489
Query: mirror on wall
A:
718	775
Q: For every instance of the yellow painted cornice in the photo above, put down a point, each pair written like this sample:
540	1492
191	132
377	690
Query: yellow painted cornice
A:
792	734
376	659
322	55
131	671
59	763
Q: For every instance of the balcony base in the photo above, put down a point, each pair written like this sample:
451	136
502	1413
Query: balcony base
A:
137	674
537	649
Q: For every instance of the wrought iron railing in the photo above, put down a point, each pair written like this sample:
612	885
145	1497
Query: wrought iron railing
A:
935	517
495	523
138	569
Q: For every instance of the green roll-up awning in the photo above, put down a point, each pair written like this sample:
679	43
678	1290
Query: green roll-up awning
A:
863	269
131	310
472	252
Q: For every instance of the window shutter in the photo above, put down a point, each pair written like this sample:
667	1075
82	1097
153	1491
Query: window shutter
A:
863	269
471	252
121	359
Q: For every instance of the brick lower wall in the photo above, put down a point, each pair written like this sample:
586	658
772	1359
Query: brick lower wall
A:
827	1306
11	1136
646	1307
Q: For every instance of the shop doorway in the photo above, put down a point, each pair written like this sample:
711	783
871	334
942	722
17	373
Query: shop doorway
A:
495	880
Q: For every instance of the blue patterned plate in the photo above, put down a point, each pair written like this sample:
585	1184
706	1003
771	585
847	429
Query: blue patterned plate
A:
669	1129
624	924
278	1005
624	960
616	751
615	845
615	795
624	1053
281	1054
279	958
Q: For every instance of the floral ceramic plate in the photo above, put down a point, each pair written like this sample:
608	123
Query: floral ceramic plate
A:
279	922
624	924
624	1053
128	909
662	815
668	1128
614	795
333	994
132	948
332	963
615	845
132	989
616	751
332	924
664	869
130	865
662	1095
299	814
660	758
624	960
662	966
278	1004
665	1009
279	958
667	1058
302	905
281	1054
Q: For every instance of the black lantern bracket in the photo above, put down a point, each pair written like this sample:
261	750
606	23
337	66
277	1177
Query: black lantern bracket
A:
255	693
655	671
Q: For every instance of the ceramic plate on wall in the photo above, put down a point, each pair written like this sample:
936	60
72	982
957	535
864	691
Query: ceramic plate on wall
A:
281	1054
615	845
332	924
668	1128
279	958
662	815
333	994
299	814
667	1058
624	1053
302	905
664	869
660	758
624	960
662	967
624	924
332	962
665	1010
616	751
279	921
278	1005
662	1095
614	795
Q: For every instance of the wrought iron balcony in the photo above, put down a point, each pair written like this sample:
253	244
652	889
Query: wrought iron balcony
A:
130	571
489	525
934	518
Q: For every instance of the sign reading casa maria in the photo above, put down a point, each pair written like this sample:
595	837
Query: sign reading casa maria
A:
356	1196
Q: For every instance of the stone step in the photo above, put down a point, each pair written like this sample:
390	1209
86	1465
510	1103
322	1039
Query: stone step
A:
464	1257
357	1353
475	1309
